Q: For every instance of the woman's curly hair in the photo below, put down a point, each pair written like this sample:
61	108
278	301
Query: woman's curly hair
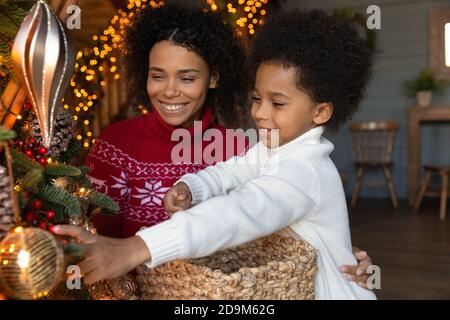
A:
201	32
333	62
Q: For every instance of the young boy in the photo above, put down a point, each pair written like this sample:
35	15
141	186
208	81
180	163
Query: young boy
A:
311	73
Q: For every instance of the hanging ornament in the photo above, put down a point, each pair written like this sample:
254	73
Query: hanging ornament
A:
31	263
6	210
43	59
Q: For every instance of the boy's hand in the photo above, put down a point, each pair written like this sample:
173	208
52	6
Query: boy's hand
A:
106	258
358	273
178	198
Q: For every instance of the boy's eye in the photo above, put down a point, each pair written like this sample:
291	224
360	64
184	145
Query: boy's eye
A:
255	98
187	79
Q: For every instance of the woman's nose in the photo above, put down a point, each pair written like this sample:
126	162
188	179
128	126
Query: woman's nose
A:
171	90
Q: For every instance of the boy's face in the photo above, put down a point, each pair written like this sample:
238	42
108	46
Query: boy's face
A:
177	83
279	104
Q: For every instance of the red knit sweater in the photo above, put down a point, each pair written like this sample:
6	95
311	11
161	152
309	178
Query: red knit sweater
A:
131	162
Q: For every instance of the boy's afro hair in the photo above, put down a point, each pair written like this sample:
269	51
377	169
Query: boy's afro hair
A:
333	62
202	32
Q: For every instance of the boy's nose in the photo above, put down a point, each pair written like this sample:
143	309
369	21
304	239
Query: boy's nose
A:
261	112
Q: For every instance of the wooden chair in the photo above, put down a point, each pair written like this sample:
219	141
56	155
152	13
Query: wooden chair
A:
444	172
373	143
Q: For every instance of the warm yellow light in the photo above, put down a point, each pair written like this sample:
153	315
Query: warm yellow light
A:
89	134
19	117
117	76
49	160
82	190
23	259
18	229
17	188
66	106
90	103
79	137
263	12
77	109
75	118
86	144
85	108
86	122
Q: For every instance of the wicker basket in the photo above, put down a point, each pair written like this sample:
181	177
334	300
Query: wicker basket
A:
277	267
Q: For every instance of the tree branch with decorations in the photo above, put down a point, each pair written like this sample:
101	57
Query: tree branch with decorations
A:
49	190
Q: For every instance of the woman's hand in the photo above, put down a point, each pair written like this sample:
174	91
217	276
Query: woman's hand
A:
106	258
178	198
358	273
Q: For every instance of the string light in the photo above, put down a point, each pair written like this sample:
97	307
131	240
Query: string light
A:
95	62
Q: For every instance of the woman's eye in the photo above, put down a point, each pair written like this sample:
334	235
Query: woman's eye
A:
187	79
278	104
156	77
255	98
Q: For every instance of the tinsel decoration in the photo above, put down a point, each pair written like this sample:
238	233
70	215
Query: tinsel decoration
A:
43	59
64	126
31	263
6	209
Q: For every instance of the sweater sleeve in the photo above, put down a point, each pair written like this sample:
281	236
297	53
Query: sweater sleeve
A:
260	207
219	179
110	179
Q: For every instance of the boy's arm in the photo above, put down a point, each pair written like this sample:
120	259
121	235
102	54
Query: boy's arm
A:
219	179
260	207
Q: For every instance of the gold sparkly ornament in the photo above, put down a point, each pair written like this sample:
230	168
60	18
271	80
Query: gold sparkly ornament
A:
31	263
66	183
43	59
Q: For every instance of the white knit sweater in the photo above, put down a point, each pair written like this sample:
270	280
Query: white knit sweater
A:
244	198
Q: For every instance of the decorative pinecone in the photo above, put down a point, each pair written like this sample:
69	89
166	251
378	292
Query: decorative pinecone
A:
63	133
6	211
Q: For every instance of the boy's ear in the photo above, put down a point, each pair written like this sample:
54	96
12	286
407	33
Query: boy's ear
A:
323	113
214	80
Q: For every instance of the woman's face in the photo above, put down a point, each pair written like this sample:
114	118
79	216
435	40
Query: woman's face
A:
177	83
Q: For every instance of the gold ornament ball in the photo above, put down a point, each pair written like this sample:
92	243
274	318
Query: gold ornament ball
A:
65	183
31	263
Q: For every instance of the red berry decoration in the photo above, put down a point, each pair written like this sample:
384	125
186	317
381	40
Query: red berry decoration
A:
37	204
27	106
50	215
29	216
42	150
43	225
43	161
29	153
32	140
51	228
20	143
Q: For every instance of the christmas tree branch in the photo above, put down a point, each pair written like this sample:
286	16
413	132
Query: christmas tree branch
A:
103	201
60	197
59	170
